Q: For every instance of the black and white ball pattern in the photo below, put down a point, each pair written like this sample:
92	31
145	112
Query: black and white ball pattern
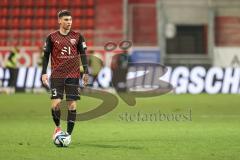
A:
62	139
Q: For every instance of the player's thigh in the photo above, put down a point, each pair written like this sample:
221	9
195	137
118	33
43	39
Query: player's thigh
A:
72	105
72	89
56	103
57	88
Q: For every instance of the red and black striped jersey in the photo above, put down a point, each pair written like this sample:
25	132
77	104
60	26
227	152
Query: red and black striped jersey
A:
66	52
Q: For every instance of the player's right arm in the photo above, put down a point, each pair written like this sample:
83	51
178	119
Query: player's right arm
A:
47	51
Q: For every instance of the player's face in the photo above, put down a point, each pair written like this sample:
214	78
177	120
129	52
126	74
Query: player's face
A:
65	22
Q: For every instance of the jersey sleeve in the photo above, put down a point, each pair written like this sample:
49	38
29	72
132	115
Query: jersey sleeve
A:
48	45
82	47
47	51
82	44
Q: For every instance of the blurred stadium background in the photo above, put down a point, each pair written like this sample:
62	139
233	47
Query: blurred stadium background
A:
198	40
174	33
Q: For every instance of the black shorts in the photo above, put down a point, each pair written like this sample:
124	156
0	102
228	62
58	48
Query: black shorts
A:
68	86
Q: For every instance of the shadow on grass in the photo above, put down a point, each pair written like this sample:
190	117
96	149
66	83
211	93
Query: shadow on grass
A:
109	146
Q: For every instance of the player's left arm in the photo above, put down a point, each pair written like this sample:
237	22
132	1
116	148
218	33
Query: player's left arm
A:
82	47
47	51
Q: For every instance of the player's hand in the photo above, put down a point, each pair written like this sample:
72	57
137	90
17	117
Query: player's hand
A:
45	80
85	79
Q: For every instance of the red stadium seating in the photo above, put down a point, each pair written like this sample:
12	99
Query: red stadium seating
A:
39	23
27	12
27	23
15	34
52	23
38	34
90	23
52	12
90	12
88	35
89	43
64	4
27	3
3	42
52	3
77	4
4	3
14	3
40	3
15	12
39	43
90	3
27	34
14	42
14	23
77	24
26	42
40	12
3	23
76	13
3	34
4	12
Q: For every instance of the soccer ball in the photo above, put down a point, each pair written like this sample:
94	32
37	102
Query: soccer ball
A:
62	139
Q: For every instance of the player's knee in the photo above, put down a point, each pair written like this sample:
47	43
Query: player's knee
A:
72	105
56	103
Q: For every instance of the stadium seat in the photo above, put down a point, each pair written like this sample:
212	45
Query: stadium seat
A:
15	34
26	42
3	34
90	3
4	3
14	3
3	23
38	34
90	12
40	3
3	42
14	23
26	34
52	12
40	12
90	23
27	3
64	3
88	35
39	23
27	23
14	42
77	4
52	23
89	43
38	42
77	13
4	12
15	12
27	12
52	3
77	24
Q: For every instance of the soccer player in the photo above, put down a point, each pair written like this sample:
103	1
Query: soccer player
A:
66	48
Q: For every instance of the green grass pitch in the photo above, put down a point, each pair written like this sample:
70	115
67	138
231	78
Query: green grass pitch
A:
212	133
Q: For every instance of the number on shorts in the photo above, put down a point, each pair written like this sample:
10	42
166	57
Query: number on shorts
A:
54	92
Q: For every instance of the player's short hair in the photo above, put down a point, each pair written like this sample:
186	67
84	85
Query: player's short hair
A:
64	13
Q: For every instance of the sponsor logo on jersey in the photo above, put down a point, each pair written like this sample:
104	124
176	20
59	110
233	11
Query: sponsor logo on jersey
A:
73	41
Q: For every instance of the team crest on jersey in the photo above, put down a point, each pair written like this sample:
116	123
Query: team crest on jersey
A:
73	41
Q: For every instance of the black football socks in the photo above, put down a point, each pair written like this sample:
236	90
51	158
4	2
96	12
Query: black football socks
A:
56	113
71	121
